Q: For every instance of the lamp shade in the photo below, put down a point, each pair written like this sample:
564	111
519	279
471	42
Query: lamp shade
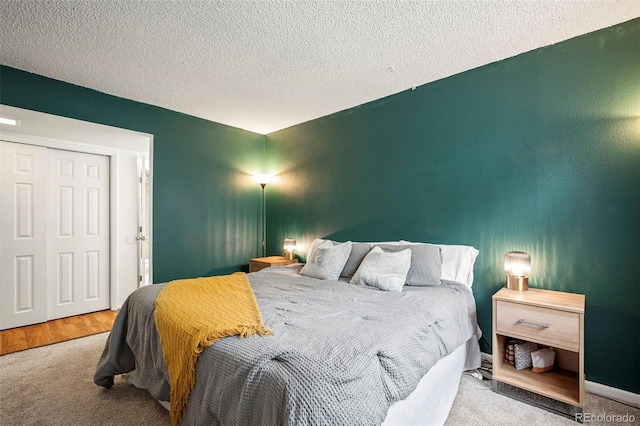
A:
517	265
289	248
263	179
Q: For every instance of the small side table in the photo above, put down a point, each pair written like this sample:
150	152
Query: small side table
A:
265	262
550	318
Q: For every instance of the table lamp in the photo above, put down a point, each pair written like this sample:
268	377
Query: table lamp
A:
289	248
517	265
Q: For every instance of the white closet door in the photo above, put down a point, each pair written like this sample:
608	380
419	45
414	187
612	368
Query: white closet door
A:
78	245
23	234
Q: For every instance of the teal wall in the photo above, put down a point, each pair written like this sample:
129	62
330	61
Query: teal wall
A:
205	204
540	152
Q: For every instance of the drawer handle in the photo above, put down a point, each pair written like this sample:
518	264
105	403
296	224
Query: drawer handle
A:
537	324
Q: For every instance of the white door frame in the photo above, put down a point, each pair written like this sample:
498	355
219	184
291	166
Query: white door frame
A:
113	182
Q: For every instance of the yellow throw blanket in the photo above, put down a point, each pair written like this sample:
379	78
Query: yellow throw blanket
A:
193	314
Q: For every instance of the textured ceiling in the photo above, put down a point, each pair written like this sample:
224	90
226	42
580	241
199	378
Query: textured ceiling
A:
266	65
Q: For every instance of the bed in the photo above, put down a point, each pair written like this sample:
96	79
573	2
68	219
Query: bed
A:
340	353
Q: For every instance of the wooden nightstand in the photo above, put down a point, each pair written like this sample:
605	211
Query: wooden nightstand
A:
549	318
265	262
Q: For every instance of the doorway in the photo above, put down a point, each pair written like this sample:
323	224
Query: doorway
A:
120	151
55	206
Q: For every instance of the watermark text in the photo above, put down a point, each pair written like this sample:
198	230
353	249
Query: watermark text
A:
605	418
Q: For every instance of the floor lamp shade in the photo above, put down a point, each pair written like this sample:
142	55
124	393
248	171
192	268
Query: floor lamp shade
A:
263	180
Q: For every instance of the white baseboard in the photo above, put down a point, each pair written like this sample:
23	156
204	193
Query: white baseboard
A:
616	394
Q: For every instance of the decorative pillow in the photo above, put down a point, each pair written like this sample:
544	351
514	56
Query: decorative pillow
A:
523	354
358	252
426	263
510	351
327	261
457	262
314	246
386	271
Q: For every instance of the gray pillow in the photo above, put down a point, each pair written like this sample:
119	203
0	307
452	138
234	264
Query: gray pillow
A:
327	261
426	263
358	252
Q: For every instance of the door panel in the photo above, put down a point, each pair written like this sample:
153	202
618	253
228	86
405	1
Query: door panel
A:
79	243
23	234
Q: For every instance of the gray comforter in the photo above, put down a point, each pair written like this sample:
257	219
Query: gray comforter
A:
340	353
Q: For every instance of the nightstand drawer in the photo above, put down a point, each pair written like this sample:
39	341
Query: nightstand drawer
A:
547	326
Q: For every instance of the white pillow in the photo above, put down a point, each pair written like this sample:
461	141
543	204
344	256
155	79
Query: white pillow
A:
314	246
457	262
327	261
386	271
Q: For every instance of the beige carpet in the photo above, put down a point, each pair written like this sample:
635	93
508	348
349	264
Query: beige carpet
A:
477	404
53	385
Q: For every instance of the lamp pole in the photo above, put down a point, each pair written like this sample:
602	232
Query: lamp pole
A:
264	220
263	180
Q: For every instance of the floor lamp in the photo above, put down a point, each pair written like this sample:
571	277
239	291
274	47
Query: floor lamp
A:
263	180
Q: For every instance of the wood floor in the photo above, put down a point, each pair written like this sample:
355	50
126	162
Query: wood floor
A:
46	333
